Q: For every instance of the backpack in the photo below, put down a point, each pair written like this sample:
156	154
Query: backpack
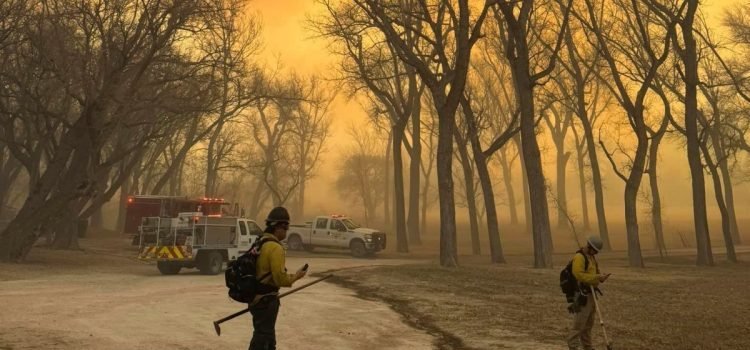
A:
568	282
240	275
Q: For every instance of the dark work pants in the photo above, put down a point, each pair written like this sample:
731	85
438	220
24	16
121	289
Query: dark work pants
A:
264	323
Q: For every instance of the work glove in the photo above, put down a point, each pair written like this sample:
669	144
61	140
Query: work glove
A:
574	308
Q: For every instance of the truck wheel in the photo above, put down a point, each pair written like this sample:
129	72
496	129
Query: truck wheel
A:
168	268
358	248
295	243
211	264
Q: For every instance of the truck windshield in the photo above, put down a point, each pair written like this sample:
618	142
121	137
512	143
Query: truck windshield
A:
350	224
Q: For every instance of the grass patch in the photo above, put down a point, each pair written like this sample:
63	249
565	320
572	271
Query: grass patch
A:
476	306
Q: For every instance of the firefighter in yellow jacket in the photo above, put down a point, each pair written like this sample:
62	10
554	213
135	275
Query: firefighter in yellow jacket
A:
586	271
271	263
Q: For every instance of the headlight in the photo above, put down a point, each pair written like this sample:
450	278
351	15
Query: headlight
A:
368	237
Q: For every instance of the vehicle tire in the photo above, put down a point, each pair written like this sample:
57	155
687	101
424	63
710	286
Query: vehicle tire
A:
211	264
358	248
168	267
295	243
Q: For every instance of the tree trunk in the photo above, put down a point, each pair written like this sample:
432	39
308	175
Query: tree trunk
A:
493	226
301	198
258	198
470	198
596	176
122	206
690	59
414	177
562	195
97	219
388	187
65	234
726	227
448	246
51	193
67	229
632	184
214	158
9	171
655	196
726	179
582	182
508	180
729	200
541	234
425	192
402	245
525	185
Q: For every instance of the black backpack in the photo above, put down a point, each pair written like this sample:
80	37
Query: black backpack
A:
240	276
568	282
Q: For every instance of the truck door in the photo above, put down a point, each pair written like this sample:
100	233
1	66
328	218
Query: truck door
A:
320	235
244	239
339	234
254	230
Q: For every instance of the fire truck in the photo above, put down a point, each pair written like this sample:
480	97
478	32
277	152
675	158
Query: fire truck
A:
141	206
194	240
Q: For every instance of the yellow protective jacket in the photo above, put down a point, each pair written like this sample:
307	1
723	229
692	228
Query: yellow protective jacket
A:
581	273
272	259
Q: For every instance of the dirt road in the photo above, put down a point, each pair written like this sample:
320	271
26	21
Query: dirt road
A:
74	300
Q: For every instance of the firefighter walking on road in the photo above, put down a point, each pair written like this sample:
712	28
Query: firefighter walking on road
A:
586	271
271	262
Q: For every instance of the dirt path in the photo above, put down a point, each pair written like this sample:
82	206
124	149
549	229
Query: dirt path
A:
128	305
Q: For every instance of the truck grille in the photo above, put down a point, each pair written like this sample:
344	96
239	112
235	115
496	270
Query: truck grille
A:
379	239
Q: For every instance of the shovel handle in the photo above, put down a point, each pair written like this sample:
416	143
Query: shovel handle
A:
601	320
217	323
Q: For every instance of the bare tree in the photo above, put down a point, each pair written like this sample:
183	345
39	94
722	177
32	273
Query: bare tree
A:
229	48
581	63
106	66
428	163
653	179
469	188
442	61
361	175
271	125
514	20
311	129
371	62
559	123
629	39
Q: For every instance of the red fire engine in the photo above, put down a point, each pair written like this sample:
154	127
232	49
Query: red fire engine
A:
141	206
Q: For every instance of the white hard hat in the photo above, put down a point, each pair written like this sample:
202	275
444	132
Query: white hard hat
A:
595	242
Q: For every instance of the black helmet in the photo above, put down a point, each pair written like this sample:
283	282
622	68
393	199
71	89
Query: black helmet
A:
278	214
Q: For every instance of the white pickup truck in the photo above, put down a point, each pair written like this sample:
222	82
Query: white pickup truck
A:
338	232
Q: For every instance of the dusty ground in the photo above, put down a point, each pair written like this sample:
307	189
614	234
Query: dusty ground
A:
669	305
101	299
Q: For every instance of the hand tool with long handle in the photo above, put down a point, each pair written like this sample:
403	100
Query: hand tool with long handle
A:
238	313
601	320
